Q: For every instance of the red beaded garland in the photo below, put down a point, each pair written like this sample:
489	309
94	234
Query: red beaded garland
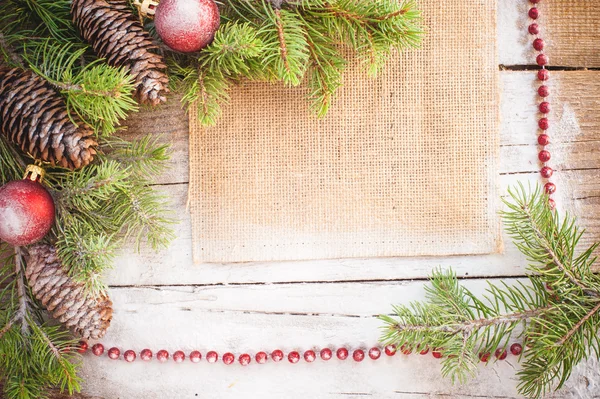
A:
374	353
114	353
310	356
129	356
551	204
98	349
358	355
293	357
500	354
544	91
549	188
543	74
406	350
516	349
542	59
261	358
342	353
484	357
212	357
390	350
545	107
326	354
245	359
544	156
539	44
178	357
543	124
146	355
424	351
195	356
82	347
543	139
277	355
162	355
534	29
437	353
546	172
228	358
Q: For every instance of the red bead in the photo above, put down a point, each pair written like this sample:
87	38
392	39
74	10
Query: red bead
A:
98	349
424	351
534	29
114	353
543	139
437	353
539	44
484	357
551	204
545	107
212	357
261	357
374	353
310	356
82	347
162	355
390	350
228	358
326	354
293	357
533	13
516	349
542	59
195	356
546	172
358	355
549	188
543	74
129	356
277	355
500	354
543	91
342	353
544	156
405	349
178	357
544	124
146	355
245	359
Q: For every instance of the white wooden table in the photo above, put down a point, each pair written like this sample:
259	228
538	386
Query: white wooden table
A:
166	301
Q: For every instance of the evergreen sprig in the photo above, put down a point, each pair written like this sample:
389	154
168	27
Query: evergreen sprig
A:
557	311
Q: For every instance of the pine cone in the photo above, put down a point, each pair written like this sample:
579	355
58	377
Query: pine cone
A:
65	299
34	116
116	35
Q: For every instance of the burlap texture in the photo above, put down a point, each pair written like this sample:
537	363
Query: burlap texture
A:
403	165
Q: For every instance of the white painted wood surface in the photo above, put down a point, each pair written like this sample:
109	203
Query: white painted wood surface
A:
165	301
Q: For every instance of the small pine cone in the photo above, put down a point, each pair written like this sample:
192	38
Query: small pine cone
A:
116	35
86	316
34	116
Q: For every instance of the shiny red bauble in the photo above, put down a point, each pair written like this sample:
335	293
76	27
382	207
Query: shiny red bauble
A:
187	25
26	212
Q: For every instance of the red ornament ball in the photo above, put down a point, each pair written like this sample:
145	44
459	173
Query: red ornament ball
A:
544	123
277	355
534	29
539	44
437	353
187	25
374	353
310	356
516	349
293	357
406	350
195	356
500	354
546	172
228	358
544	156
98	349
544	91
390	350
114	353
129	356
162	355
26	212
261	358
543	74
245	359
326	354
82	347
550	188
358	355
146	355
179	356
212	357
484	357
543	139
342	353
533	13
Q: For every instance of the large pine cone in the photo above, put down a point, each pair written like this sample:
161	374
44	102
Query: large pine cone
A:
65	299
34	116
116	35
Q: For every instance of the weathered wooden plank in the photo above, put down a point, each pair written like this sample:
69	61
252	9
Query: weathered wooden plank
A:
576	126
569	27
286	316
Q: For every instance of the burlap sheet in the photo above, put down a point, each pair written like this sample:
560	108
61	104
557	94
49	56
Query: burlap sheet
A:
403	165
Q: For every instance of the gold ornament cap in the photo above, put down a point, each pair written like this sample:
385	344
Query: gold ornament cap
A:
34	173
146	8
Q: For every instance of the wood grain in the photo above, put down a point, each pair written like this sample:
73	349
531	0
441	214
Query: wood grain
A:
569	27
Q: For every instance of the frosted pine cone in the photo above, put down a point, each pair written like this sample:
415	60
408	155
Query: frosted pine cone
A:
116	35
34	116
66	300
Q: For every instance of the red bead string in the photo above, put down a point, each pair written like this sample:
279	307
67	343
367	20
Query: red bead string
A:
544	106
293	357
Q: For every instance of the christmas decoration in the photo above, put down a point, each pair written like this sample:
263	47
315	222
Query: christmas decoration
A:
87	316
146	8
187	25
26	209
116	35
35	118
